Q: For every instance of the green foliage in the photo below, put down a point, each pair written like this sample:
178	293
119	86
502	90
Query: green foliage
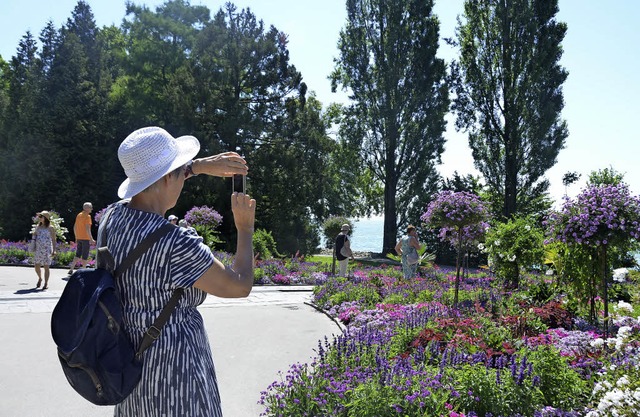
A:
426	259
503	398
367	296
560	385
264	245
224	77
332	226
210	237
258	275
606	176
514	245
509	96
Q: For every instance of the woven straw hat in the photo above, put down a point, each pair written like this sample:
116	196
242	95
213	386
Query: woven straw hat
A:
150	153
46	214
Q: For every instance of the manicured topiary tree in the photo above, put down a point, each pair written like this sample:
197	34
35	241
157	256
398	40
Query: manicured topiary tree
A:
460	217
600	217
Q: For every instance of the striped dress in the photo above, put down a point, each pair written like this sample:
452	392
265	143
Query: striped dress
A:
178	377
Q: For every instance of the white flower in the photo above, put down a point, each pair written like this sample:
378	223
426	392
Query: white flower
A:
624	306
512	258
497	243
527	227
501	255
624	331
549	272
624	380
620	274
480	246
597	343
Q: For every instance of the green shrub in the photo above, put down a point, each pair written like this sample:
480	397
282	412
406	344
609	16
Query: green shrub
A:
425	296
513	245
561	386
367	296
396	299
499	395
264	244
258	274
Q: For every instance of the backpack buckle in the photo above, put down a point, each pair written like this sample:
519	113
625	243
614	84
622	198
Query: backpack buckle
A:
154	332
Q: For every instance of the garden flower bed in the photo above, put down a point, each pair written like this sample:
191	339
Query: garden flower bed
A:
291	271
16	253
406	352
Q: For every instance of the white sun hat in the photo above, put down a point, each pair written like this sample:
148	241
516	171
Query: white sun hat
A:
150	153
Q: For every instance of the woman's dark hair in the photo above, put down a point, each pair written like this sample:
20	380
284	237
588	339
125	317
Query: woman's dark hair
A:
46	221
410	228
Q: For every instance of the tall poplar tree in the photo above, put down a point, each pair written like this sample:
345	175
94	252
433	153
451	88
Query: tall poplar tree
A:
508	84
397	85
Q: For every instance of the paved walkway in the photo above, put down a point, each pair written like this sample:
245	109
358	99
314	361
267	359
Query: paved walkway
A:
252	340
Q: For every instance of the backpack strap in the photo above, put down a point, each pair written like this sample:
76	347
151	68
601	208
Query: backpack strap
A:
104	259
142	247
155	330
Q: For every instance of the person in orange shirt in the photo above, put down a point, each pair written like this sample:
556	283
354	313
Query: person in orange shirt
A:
82	231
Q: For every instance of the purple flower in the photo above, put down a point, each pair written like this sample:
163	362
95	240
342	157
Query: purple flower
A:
203	216
600	214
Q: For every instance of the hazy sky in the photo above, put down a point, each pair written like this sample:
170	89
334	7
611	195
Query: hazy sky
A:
601	53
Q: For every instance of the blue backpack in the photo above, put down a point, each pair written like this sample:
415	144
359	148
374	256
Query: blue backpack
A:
96	355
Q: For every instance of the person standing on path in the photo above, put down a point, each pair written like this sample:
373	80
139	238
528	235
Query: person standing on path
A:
44	237
84	239
178	377
409	245
342	241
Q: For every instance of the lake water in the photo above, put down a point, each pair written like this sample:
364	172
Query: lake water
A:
367	234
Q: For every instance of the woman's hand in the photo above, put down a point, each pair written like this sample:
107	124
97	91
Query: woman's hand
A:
244	212
222	165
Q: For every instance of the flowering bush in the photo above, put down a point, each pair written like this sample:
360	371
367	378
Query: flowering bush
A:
205	220
513	245
461	218
600	216
203	216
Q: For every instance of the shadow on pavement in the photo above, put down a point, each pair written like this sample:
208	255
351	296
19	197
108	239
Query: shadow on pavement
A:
28	291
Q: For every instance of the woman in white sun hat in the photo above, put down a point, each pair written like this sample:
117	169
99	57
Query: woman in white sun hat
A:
178	376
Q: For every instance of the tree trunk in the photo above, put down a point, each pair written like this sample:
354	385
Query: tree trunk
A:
390	226
605	295
455	296
333	262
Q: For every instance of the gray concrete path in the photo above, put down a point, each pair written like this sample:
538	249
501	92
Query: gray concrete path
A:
252	340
